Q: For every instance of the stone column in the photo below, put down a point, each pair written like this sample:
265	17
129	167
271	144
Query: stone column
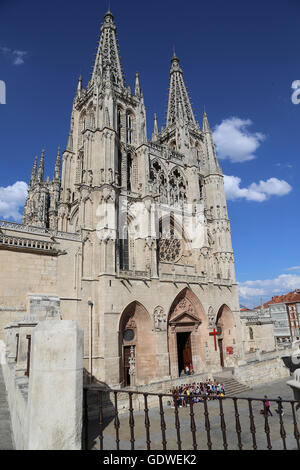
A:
55	386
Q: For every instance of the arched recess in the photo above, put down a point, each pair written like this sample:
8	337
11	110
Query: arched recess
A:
137	340
73	223
227	335
187	333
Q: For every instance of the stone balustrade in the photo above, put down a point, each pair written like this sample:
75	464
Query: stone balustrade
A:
13	242
4	225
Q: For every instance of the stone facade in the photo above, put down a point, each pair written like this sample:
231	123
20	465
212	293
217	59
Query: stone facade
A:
258	331
133	237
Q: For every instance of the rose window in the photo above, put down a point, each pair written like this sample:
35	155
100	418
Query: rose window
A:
170	249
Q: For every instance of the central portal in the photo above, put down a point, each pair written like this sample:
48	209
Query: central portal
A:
184	352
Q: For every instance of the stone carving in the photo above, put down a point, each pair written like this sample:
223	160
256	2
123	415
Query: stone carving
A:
160	319
211	318
131	361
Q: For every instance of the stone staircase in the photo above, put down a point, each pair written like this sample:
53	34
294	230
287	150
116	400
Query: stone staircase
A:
231	385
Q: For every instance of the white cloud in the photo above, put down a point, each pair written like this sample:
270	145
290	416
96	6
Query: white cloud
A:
252	291
293	268
234	141
12	199
16	55
256	191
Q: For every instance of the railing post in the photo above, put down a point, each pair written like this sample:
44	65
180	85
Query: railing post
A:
147	422
117	421
223	424
131	421
237	424
177	422
162	422
252	425
296	431
193	425
207	423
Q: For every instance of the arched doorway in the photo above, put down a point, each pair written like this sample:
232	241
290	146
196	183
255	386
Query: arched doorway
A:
226	336
187	334
138	363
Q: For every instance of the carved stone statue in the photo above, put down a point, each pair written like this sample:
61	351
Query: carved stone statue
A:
131	361
160	319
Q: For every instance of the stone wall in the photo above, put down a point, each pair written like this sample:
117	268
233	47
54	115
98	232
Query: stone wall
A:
38	264
260	371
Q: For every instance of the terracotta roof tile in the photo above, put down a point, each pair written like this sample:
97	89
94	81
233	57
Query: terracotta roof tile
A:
293	296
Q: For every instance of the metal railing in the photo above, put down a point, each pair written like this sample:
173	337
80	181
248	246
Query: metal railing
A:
205	424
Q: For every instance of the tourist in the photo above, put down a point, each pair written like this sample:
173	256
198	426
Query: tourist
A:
267	406
280	407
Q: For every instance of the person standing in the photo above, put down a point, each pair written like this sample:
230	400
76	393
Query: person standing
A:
279	406
267	406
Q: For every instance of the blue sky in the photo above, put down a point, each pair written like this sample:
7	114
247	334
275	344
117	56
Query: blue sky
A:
239	61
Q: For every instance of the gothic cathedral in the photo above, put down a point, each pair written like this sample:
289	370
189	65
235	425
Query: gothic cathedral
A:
153	274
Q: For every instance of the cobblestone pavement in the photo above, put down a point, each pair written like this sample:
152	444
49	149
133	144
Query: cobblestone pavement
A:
6	442
216	436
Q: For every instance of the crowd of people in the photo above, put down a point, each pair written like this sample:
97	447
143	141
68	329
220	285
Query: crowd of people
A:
210	389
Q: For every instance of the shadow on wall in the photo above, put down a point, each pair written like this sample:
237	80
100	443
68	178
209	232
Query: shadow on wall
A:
291	362
92	411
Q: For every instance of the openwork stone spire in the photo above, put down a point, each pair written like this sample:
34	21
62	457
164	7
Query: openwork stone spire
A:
179	106
41	167
34	173
57	168
213	164
108	61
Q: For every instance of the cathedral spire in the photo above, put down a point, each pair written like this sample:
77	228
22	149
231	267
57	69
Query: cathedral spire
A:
213	164
57	168
34	173
108	57
137	87
155	129
41	167
179	105
79	85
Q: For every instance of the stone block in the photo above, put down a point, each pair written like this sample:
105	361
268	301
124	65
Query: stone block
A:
55	386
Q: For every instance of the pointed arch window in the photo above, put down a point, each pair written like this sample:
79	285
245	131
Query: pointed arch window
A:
129	128
124	250
129	171
119	123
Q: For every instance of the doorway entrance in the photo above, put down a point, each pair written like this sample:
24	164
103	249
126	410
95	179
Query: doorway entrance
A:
184	351
126	366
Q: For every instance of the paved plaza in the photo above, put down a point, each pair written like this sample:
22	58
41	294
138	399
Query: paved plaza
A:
272	390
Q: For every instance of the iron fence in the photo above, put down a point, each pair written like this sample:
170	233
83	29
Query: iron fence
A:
193	422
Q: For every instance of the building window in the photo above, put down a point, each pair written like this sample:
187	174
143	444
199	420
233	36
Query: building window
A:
129	125
251	333
119	124
129	171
